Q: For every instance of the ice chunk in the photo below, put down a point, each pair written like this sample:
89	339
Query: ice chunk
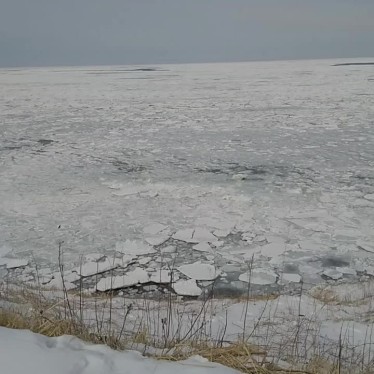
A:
290	278
346	270
144	261
273	249
196	235
4	251
368	247
163	276
154	229
218	243
215	223
93	267
332	274
187	288
157	240
93	257
369	196
131	278
169	249
222	233
259	277
129	190
134	247
199	271
13	263
59	284
202	247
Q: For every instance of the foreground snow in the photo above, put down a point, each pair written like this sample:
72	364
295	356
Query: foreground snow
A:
25	352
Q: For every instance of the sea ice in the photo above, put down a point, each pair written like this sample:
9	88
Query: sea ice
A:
134	247
290	278
368	247
222	233
131	278
346	270
369	196
332	274
199	271
98	267
273	249
13	263
169	249
162	276
154	229
259	277
202	247
196	235
157	240
187	288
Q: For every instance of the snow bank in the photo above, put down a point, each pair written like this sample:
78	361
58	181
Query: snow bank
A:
25	352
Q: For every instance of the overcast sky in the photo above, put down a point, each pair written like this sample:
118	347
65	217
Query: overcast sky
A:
92	32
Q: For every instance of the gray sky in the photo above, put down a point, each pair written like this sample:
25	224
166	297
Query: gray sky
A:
92	32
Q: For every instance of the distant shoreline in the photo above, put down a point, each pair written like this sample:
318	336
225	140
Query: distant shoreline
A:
354	63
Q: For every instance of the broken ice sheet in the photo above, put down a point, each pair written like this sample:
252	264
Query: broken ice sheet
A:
220	225
131	278
366	246
196	235
199	271
222	233
157	240
154	229
13	263
93	267
289	278
202	247
187	288
332	274
259	277
134	247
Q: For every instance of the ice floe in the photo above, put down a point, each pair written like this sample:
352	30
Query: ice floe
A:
131	278
134	247
202	247
157	240
187	288
289	278
199	271
368	247
259	277
98	267
154	229
332	274
196	235
12	263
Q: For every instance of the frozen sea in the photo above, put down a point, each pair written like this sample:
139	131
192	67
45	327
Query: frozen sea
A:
273	159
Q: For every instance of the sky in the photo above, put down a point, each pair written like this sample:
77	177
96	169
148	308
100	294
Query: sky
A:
114	32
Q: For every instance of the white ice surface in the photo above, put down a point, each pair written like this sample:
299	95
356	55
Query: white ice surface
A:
131	278
24	352
298	133
187	288
202	247
259	277
134	247
199	271
196	235
12	263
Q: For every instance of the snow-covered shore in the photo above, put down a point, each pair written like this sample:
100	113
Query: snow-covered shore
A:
23	352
